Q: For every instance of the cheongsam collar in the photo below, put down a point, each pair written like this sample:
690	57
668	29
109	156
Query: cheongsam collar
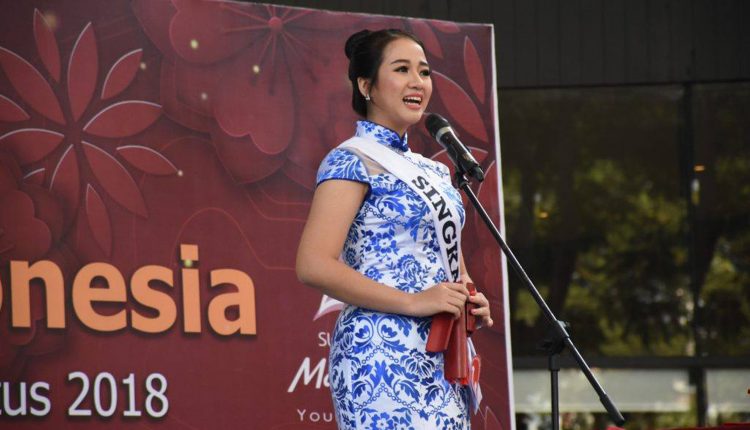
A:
383	135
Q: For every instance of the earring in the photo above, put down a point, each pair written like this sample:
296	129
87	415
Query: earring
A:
367	97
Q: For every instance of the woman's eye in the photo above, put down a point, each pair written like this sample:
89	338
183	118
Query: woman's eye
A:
402	69
426	72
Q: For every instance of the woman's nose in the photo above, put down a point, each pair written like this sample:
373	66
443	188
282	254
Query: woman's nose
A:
416	81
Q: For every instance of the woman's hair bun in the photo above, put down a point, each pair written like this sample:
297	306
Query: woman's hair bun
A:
354	41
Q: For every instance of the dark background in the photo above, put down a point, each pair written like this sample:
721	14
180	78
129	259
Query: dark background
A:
552	43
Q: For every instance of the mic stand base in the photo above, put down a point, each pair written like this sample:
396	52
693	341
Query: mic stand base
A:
554	370
553	345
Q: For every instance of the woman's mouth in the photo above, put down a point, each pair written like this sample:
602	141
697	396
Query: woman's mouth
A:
413	102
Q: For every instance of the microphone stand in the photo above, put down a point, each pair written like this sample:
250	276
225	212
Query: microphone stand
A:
560	336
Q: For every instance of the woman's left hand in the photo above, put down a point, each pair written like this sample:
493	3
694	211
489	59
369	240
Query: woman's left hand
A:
482	310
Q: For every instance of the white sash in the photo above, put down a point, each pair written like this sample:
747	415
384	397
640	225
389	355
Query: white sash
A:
424	183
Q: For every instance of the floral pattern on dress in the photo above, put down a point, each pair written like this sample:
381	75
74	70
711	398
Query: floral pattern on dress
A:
380	375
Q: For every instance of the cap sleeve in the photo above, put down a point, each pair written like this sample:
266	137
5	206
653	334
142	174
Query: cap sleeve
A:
342	164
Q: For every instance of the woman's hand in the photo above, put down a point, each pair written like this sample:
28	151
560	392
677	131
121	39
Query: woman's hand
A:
482	310
443	297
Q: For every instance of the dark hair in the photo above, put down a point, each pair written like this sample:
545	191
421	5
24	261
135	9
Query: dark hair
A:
364	49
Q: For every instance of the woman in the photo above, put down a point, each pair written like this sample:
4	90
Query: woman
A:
370	242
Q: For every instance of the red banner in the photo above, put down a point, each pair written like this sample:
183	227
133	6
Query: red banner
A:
157	161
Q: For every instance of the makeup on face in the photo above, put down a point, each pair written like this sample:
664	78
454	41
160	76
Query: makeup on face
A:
403	88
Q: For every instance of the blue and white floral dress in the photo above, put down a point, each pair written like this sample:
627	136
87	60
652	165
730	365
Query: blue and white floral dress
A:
380	375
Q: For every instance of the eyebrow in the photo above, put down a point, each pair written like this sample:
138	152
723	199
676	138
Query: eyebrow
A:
421	63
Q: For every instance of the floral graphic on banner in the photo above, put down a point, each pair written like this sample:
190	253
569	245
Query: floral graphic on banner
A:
247	67
69	180
46	202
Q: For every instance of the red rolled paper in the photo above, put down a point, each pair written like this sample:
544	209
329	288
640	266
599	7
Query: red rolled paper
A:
440	332
450	335
456	366
471	321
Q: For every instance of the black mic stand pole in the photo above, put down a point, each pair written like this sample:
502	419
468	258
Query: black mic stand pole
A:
561	337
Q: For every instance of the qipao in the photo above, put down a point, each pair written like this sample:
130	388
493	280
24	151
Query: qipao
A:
380	375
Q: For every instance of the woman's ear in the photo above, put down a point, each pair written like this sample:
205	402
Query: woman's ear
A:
364	86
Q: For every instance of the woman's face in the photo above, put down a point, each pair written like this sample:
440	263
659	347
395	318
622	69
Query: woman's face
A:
403	87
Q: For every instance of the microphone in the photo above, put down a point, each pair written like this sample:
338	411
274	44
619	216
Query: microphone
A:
442	131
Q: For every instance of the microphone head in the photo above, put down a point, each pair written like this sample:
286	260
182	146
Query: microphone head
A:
434	123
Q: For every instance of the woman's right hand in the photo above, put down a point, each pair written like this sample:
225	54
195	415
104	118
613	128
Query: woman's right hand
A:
443	297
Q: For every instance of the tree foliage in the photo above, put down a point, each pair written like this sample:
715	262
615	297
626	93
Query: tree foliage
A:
598	207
